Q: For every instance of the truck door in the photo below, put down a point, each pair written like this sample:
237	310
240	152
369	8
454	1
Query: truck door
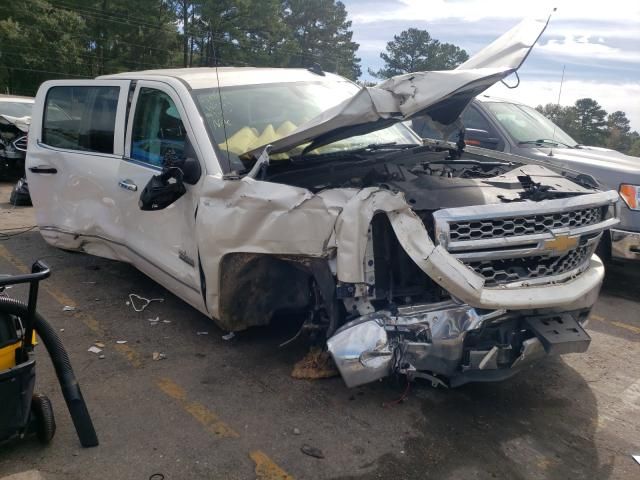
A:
76	143
162	242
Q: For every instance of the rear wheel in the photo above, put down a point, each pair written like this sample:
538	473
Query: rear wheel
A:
45	422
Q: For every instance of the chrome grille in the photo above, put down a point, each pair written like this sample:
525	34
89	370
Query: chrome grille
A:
530	242
523	225
496	272
21	143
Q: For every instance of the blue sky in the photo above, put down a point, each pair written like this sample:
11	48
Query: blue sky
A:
598	42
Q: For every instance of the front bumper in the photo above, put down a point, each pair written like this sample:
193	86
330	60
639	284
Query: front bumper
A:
444	343
452	344
625	245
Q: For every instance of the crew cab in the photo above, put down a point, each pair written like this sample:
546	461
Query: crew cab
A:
249	192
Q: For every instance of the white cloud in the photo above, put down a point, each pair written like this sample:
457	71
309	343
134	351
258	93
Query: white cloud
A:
474	10
581	47
611	96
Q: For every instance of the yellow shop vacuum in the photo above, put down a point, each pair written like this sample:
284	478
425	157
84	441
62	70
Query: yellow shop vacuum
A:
22	412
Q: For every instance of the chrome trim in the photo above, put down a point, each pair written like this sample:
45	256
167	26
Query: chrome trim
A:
77	151
523	246
625	245
453	246
553	279
20	143
512	209
128	185
522	252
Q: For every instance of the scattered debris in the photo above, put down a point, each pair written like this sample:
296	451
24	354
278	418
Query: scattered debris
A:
154	321
99	344
311	451
101	357
144	302
62	329
158	356
166	321
228	336
202	333
94	349
636	458
315	364
296	431
121	342
68	308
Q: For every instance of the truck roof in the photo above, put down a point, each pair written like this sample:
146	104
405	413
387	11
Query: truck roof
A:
207	77
491	98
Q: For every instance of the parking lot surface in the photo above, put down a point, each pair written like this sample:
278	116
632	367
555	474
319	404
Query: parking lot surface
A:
229	409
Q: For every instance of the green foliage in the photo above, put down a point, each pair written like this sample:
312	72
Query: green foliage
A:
589	124
414	50
322	35
45	39
38	42
592	121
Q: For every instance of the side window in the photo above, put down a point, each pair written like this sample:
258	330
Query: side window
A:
157	128
80	118
472	118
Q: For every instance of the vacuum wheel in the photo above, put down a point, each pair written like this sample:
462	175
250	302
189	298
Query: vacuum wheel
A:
45	421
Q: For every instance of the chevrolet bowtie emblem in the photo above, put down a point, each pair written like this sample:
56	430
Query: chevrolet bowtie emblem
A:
561	243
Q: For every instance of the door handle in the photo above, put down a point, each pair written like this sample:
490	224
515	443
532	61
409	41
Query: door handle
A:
43	169
128	185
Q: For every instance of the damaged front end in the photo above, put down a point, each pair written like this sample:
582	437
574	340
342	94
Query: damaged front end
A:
450	344
13	145
508	283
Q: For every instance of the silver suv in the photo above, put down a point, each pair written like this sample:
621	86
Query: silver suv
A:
512	127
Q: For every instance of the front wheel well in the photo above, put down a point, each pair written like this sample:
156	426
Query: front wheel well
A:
256	286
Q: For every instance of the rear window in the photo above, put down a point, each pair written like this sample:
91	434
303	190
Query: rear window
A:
81	118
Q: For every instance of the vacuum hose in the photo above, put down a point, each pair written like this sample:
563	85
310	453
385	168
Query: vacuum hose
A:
68	383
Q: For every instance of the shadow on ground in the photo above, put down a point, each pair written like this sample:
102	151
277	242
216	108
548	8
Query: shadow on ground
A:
525	428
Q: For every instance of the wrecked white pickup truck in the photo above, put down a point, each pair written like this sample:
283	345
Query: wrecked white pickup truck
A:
437	263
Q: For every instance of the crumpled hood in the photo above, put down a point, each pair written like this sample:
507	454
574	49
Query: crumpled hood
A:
442	95
21	123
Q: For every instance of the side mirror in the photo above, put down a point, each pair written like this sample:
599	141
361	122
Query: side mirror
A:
162	190
186	161
190	166
480	138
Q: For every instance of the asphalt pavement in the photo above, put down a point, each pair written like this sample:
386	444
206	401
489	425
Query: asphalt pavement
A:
229	409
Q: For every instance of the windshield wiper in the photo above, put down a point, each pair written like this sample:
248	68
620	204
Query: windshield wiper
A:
372	147
545	141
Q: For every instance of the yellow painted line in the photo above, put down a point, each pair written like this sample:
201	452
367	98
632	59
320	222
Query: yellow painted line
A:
59	296
266	469
130	354
202	414
626	326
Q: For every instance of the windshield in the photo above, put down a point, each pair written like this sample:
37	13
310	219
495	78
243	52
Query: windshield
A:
256	115
526	124
16	109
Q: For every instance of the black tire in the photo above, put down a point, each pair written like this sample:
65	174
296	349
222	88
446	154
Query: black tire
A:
20	195
45	421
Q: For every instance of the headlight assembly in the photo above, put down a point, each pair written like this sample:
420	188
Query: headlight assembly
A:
631	195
